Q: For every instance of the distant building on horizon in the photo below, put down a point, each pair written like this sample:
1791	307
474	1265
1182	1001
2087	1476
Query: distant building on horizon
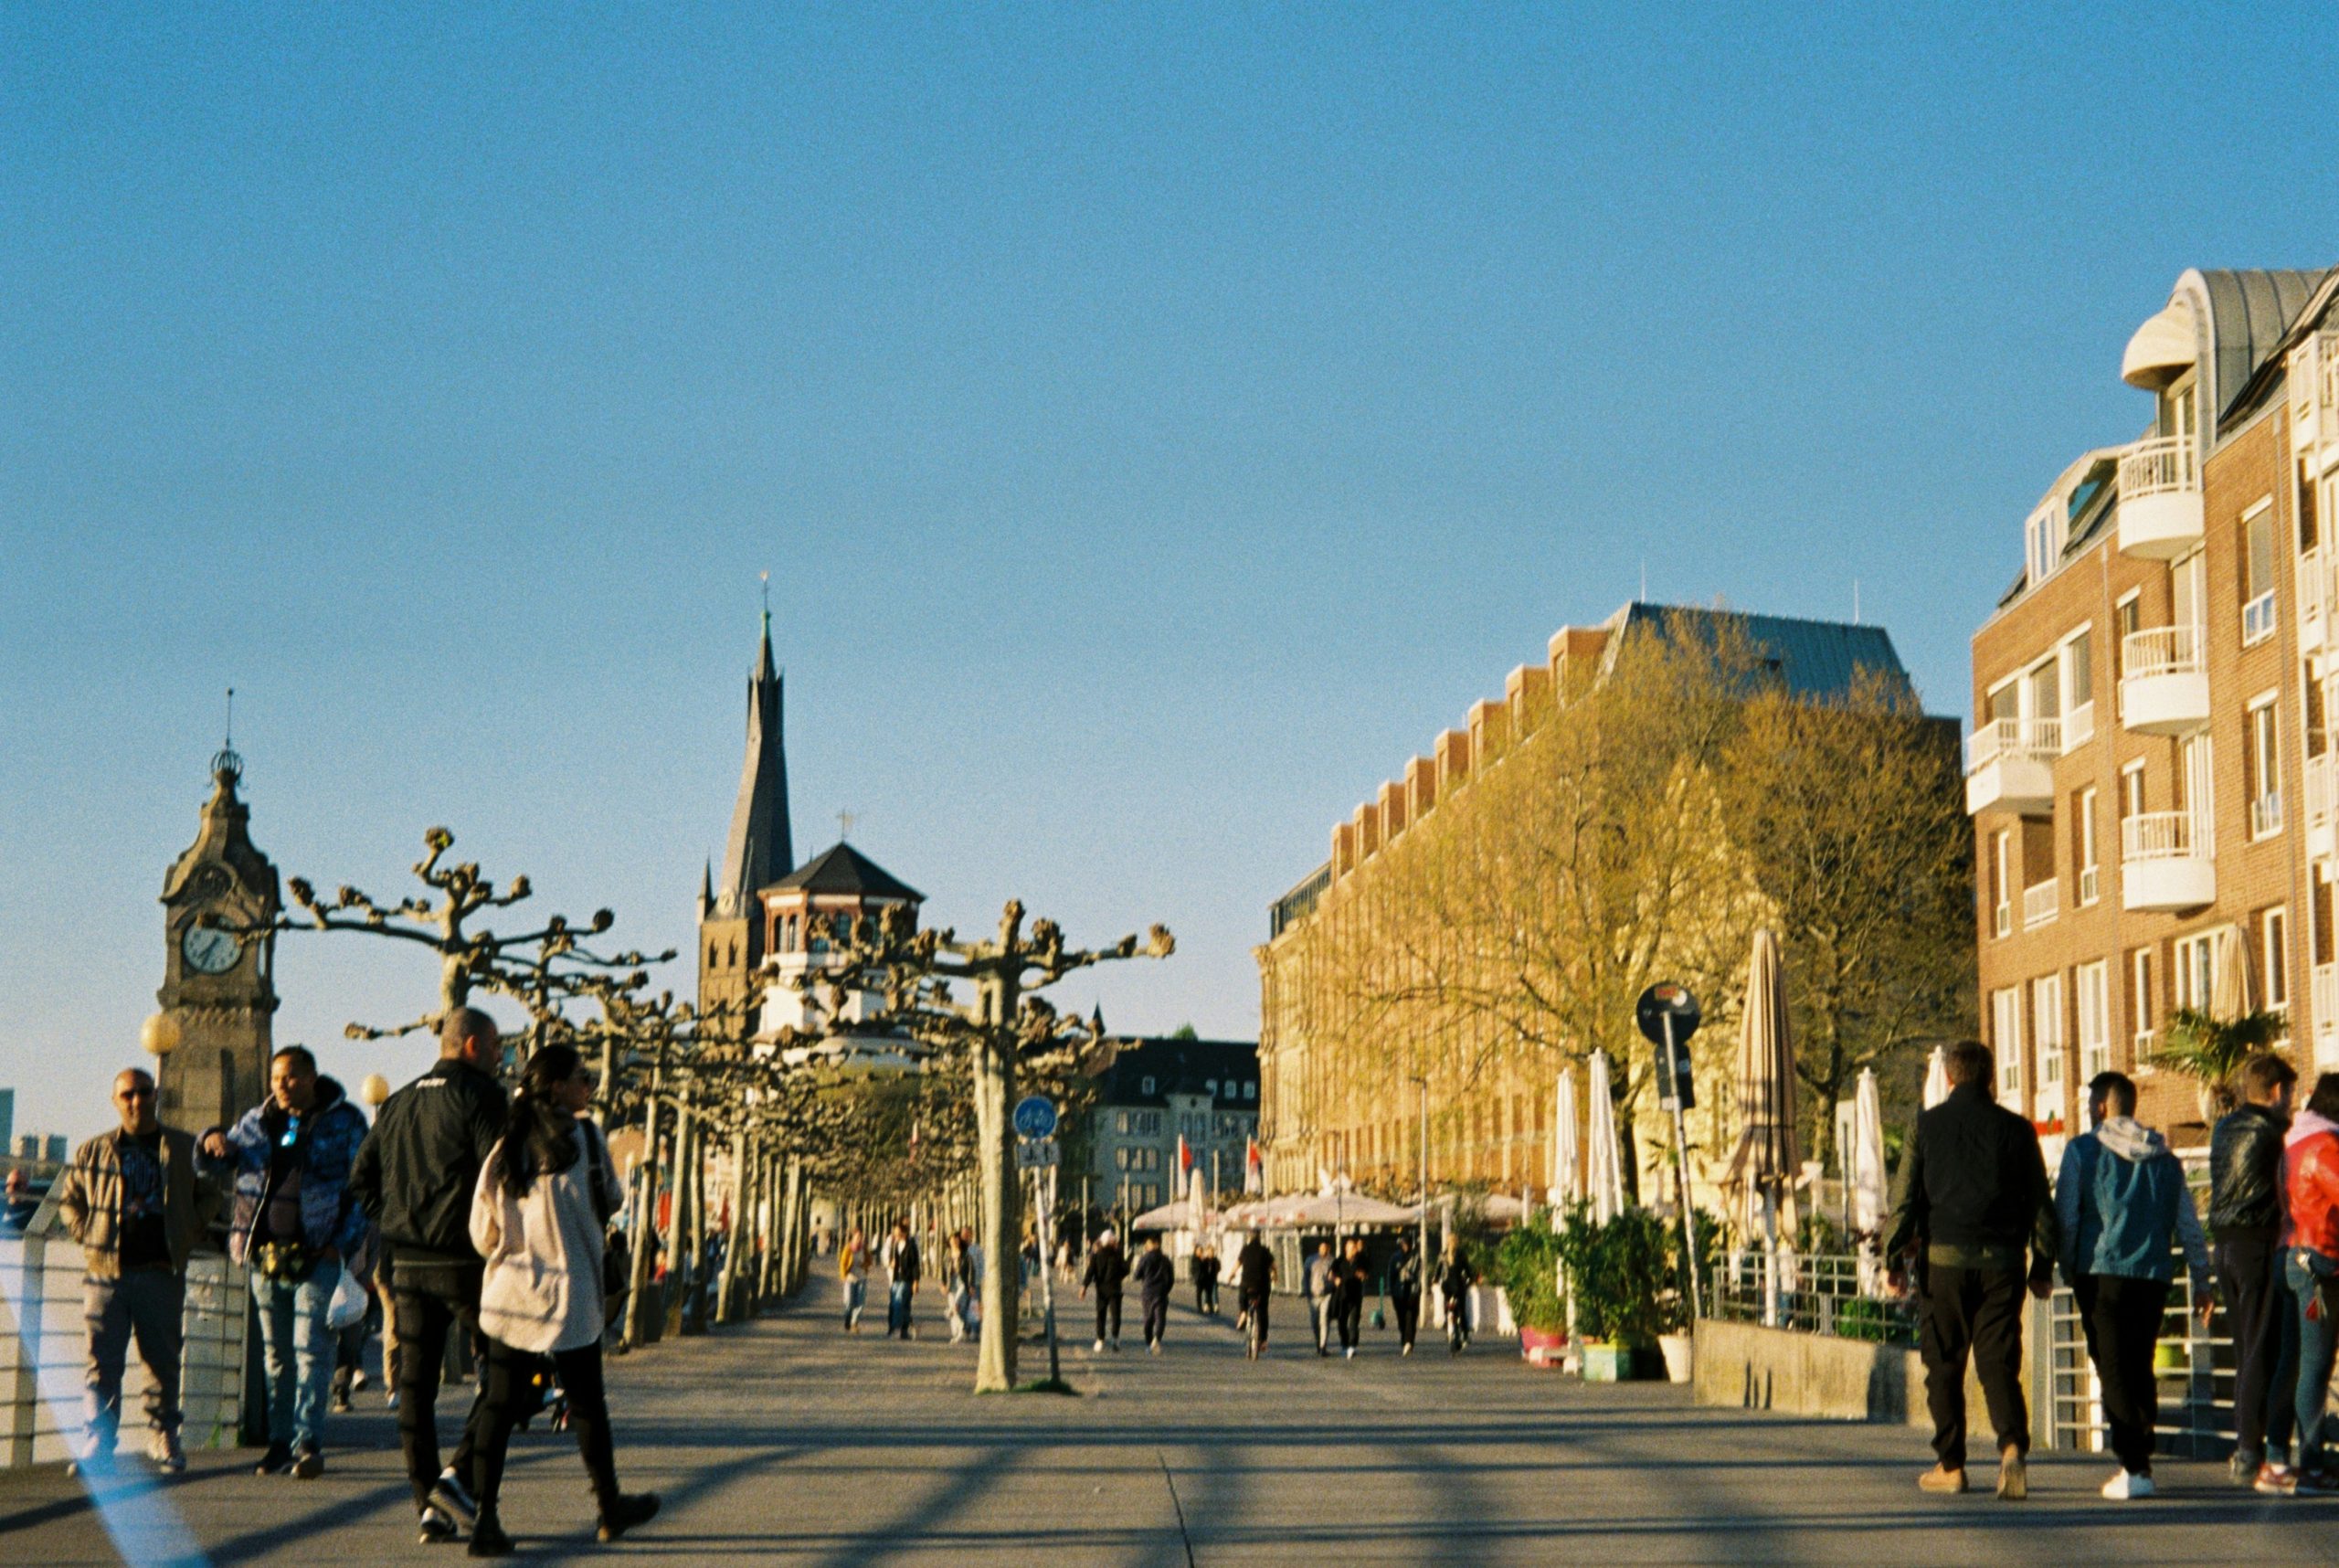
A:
1158	1089
8	1116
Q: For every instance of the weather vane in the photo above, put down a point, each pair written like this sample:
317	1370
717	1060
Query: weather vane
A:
844	825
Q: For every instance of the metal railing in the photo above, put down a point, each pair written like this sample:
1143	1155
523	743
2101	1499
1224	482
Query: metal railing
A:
44	1347
2040	904
2157	465
2161	650
2163	835
2038	739
1841	1295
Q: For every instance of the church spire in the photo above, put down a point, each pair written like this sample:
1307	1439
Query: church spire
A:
760	849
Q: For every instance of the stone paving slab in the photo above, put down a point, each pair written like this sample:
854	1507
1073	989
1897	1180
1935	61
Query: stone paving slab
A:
789	1442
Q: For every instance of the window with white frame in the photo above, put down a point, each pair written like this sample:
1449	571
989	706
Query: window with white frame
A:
2005	1041
2047	1029
2079	689
2274	942
2127	620
2043	542
2086	858
2095	1017
2196	968
2002	883
2143	1001
2257	574
2265	759
2131	790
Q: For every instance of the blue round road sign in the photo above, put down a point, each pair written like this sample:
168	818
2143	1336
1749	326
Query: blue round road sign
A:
1035	1117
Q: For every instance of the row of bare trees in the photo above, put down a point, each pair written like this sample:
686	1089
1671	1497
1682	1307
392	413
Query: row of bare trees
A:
1639	829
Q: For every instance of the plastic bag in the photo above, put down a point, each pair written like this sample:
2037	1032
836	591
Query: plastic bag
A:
347	1306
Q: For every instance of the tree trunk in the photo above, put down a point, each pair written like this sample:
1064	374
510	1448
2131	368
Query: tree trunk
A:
641	1324
994	1071
743	1196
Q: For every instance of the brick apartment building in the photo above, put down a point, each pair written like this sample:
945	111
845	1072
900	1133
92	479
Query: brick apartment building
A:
2149	773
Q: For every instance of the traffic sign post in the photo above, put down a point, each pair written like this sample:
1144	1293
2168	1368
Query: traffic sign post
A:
1035	1153
1035	1117
1668	1016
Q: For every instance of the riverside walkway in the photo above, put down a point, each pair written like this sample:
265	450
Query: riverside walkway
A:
785	1441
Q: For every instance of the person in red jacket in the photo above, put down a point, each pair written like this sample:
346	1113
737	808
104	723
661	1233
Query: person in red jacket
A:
2310	1181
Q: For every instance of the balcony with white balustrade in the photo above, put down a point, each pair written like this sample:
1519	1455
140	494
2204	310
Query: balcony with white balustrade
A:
2159	498
2010	767
2322	805
2164	681
2041	904
2166	862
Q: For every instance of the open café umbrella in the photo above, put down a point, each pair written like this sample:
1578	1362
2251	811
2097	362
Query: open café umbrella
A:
1603	1176
1936	1076
1864	1164
1768	1157
1567	1158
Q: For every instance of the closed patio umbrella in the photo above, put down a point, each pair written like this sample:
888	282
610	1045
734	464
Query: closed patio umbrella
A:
1567	1158
1936	1076
1768	1157
1603	1174
2230	989
1864	1164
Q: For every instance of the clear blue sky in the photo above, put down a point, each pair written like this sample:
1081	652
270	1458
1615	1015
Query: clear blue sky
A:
1158	422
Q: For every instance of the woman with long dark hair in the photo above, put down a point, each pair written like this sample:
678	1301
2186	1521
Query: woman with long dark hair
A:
538	1217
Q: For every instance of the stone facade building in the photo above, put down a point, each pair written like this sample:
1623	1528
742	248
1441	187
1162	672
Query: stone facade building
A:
1158	1090
2150	773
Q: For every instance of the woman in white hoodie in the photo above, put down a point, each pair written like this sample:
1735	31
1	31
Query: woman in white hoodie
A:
539	1218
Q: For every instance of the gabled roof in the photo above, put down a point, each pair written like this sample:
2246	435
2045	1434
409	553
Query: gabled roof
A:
844	870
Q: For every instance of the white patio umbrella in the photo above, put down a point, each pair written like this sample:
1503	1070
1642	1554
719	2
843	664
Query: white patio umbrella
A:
1604	1175
1567	1157
2230	989
1768	1157
1937	1076
1864	1166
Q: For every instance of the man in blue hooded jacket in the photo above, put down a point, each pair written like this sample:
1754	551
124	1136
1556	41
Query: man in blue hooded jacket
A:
2123	1207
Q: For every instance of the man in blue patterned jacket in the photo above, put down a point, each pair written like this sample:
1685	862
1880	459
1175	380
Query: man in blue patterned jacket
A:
294	1221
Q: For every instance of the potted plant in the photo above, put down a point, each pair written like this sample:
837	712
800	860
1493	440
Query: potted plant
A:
1621	1273
2206	1049
1529	1258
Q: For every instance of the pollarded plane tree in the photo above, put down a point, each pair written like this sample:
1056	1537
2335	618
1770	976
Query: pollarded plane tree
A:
1001	1030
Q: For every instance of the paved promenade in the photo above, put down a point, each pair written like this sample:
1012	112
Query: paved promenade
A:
787	1443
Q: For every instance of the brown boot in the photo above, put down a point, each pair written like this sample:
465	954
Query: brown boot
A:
2014	1476
1941	1479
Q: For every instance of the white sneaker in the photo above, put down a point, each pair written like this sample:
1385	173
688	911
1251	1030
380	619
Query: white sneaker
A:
1155	1347
2127	1485
1098	1349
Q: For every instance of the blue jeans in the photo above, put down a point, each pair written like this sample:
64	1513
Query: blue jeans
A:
856	1291
897	1310
298	1349
2310	1276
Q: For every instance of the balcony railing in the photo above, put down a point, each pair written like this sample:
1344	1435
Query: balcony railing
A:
2079	726
2036	740
2322	802
2039	903
2266	815
2157	466
2163	835
2161	650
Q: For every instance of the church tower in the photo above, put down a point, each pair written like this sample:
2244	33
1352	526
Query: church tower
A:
218	979
758	853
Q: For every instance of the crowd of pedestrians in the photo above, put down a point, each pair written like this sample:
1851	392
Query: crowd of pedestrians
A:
475	1216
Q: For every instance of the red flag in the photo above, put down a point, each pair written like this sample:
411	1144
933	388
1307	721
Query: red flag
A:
1251	1178
1185	1156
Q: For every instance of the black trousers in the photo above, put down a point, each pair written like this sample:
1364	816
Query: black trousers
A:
2258	1313
1109	1306
1157	1316
1206	1297
1974	1314
1409	1317
2123	1319
1348	1312
507	1376
426	1313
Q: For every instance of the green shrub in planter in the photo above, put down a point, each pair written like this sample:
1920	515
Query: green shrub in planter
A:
1529	1260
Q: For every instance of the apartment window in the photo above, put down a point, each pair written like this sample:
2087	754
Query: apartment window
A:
1145	1085
2274	939
2196	971
2258	575
2143	1000
2006	1041
2047	1029
2310	531
2085	852
2265	770
2095	1017
2131	790
2127	620
2316	707
2043	541
1121	1123
2079	688
2001	884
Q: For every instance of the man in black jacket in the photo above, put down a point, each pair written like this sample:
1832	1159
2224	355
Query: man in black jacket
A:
1973	1196
1154	1275
2246	1216
415	1177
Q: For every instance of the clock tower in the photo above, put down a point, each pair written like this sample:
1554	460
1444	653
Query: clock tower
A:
218	975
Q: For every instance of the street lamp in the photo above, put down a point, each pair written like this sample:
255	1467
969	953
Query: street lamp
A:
1423	1082
373	1090
160	1035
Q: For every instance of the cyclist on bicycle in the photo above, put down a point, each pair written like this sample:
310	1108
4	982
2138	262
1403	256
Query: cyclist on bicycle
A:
1256	1266
1456	1285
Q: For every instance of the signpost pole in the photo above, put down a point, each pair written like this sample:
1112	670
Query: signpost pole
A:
1681	1151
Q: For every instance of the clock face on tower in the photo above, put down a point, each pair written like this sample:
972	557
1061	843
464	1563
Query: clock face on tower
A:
211	950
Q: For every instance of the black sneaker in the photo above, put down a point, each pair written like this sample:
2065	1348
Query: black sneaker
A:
277	1461
437	1528
454	1498
307	1463
638	1507
488	1539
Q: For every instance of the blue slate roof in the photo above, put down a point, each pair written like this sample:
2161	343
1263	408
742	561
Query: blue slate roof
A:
1815	660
